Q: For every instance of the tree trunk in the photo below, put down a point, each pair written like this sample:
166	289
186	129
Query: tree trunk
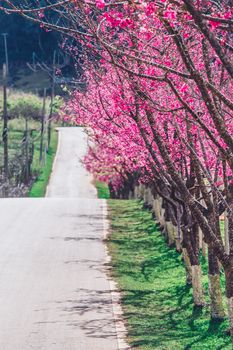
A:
156	208
187	264
229	295
136	192
150	197
230	313
131	195
162	218
226	233
177	240
217	309
191	243
146	196
170	233
141	191
203	245
229	269
198	295
204	248
216	304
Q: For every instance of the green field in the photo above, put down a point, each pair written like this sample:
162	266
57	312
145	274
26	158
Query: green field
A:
40	171
157	304
15	135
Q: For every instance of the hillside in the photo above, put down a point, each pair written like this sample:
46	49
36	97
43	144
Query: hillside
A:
24	38
27	44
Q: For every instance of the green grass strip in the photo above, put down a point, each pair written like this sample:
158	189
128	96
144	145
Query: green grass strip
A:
157	304
102	190
39	187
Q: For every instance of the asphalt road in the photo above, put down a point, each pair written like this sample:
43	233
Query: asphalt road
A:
69	178
54	291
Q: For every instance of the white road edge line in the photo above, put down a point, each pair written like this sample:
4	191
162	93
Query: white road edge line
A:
121	331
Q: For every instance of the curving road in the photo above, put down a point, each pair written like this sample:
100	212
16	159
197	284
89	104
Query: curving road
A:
54	291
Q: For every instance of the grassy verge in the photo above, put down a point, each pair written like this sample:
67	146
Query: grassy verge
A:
157	303
102	190
39	187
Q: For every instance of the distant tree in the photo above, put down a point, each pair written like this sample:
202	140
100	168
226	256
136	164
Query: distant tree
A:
24	38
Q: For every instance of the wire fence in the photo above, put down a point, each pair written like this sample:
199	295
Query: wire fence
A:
20	175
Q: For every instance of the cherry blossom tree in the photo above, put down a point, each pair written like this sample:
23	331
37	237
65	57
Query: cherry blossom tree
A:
158	107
